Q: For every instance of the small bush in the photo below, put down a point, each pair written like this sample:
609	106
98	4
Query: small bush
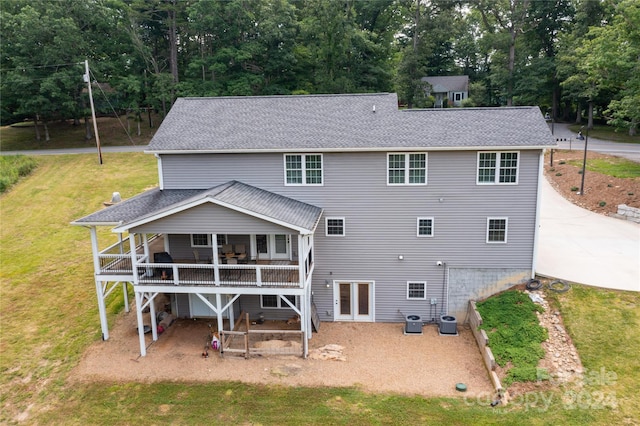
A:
558	174
562	162
609	185
574	188
13	167
602	203
629	193
579	172
553	169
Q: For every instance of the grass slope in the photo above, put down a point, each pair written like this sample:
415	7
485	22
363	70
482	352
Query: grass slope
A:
49	318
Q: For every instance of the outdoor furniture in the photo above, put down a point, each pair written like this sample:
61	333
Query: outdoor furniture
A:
241	253
196	255
163	257
227	248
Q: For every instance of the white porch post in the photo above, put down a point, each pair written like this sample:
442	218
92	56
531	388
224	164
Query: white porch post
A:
215	259
152	313
219	311
143	349
102	309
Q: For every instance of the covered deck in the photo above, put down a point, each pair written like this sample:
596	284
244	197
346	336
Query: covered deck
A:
175	242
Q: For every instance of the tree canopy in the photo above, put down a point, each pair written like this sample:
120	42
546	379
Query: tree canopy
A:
567	56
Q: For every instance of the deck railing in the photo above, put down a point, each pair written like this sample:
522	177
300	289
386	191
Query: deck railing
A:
190	274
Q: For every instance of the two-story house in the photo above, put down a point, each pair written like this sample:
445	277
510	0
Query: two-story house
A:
342	205
454	89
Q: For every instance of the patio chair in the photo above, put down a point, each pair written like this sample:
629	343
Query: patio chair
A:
241	253
196	255
227	248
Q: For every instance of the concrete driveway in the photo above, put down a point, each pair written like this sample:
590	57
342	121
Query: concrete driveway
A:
578	245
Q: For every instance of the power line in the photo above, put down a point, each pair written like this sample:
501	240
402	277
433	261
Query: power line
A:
40	66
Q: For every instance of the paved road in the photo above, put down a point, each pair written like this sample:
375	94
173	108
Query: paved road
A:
567	140
91	150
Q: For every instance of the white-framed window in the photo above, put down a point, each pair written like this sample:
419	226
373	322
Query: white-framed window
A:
497	229
498	167
334	226
274	301
416	290
407	168
204	240
303	169
424	227
200	240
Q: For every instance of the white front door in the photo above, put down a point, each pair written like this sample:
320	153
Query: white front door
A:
353	301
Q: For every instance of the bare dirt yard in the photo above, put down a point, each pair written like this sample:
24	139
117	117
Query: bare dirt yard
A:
377	358
598	188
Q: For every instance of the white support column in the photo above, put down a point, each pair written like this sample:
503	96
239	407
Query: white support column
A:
304	318
102	310
215	259
125	296
302	255
152	313
143	349
219	312
134	258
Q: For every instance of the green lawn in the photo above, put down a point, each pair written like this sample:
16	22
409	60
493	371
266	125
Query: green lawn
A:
49	318
607	133
614	166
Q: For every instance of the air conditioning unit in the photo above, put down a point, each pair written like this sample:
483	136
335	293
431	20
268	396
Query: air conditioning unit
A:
448	325
413	324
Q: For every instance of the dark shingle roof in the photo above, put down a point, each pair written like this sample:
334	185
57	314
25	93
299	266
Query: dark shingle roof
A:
452	83
340	122
154	203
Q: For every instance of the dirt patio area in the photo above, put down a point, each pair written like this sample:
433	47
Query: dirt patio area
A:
379	357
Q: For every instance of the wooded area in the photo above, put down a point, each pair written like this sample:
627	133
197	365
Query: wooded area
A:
573	58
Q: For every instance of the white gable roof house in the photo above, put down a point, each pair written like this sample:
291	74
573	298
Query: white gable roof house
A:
325	208
454	89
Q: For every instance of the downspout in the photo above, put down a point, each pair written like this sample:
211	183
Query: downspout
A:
536	231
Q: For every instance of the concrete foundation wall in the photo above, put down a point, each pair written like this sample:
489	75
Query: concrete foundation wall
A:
467	284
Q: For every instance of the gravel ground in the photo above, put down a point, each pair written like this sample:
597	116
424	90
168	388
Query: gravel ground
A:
378	357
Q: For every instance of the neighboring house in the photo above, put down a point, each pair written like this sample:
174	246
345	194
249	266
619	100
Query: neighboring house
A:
340	204
453	88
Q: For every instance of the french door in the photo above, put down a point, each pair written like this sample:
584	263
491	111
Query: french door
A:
273	246
353	301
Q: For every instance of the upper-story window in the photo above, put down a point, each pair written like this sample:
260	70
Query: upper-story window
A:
303	169
407	169
497	168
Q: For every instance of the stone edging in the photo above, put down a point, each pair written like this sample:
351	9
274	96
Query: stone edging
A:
628	213
475	321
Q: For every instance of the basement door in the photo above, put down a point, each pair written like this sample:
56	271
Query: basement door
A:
353	301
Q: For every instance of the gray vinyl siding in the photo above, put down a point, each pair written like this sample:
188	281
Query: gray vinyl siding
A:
381	220
199	220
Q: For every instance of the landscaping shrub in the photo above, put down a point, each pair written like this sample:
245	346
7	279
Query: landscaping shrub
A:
515	334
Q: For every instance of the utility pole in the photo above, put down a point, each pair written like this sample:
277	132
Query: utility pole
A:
87	79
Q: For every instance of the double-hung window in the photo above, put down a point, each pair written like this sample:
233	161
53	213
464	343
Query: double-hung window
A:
204	240
416	290
497	229
425	227
407	168
497	168
334	226
303	169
